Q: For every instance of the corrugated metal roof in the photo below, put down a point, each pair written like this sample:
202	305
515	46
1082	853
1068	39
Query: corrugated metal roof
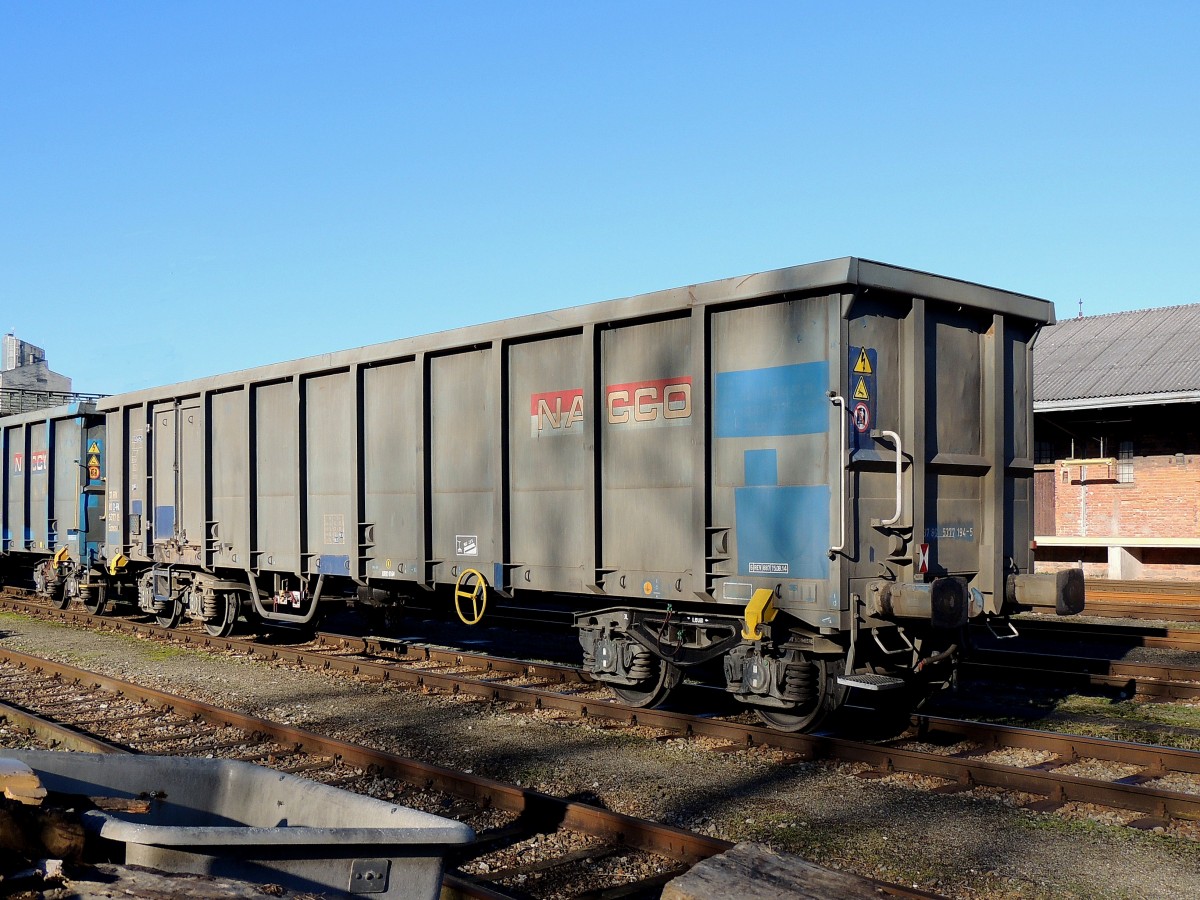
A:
1125	358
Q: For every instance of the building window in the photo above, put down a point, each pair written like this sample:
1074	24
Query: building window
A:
1125	463
1043	452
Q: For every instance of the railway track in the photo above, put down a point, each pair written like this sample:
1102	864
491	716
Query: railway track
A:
1157	637
1083	671
1161	681
71	707
1154	783
1171	601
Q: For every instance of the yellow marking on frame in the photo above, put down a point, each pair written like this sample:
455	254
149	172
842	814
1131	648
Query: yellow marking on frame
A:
759	611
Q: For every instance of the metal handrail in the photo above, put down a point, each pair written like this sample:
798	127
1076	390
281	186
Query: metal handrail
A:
838	400
895	439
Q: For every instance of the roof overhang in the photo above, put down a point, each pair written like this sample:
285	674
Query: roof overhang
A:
1158	399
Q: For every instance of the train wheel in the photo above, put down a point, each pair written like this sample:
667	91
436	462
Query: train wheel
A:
817	679
222	623
70	590
97	600
60	597
171	614
652	691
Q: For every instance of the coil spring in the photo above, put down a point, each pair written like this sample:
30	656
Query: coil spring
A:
642	664
800	682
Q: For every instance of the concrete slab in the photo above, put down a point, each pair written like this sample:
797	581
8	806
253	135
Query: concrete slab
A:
756	872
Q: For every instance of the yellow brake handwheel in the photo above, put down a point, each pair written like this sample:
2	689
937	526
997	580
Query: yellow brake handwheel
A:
471	585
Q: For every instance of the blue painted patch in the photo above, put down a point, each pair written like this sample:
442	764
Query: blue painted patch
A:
775	401
164	523
762	467
89	508
498	577
333	565
135	507
783	531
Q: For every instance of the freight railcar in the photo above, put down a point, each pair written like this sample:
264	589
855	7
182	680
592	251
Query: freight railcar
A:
809	478
51	499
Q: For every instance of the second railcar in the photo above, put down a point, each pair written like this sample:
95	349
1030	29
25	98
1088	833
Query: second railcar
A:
52	500
814	476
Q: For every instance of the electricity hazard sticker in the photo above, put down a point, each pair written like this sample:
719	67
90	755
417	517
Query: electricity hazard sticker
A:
862	371
923	559
93	461
863	364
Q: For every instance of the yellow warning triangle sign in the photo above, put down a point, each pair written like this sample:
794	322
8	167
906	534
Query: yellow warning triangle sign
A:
860	390
93	447
863	366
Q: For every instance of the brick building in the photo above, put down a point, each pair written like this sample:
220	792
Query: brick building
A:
1117	444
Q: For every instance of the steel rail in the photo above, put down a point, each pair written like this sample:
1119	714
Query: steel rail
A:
1145	588
1068	747
663	840
1172	682
1154	636
547	812
405	651
1115	607
57	735
1166	600
1130	794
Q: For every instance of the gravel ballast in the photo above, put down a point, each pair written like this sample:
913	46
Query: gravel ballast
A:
971	844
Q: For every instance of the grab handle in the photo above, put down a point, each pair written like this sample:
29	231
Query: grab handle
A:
895	439
838	400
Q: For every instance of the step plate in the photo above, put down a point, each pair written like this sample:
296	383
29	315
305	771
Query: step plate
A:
871	682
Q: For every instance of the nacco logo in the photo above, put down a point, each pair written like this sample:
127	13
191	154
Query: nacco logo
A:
556	412
666	401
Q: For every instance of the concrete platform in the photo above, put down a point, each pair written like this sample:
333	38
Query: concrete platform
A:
756	872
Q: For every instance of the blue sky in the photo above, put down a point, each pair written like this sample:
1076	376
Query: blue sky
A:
188	189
